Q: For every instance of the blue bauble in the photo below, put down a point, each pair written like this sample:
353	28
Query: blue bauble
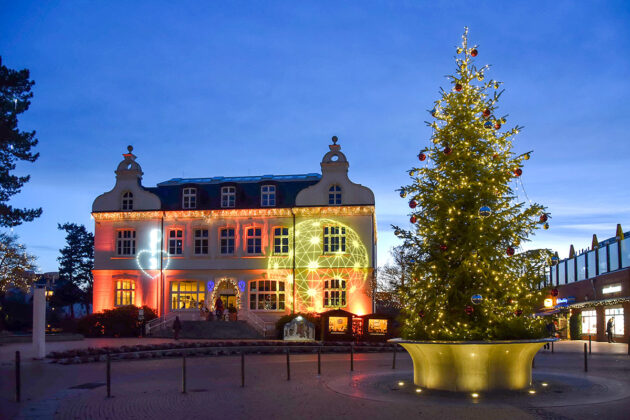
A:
476	299
485	211
487	124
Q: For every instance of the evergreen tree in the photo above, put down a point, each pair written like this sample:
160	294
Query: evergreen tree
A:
75	266
15	145
468	284
16	266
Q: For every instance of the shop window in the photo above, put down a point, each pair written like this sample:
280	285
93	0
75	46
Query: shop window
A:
189	198
201	241
228	197
127	201
338	324
125	293
268	195
589	322
254	240
266	295
227	241
334	293
334	195
187	294
126	242
175	241
377	326
617	314
281	241
334	239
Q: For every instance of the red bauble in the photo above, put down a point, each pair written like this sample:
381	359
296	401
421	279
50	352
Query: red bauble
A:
469	309
443	247
474	52
543	218
447	150
495	156
458	87
421	314
518	312
518	172
413	204
412	219
509	251
486	113
422	157
497	125
554	292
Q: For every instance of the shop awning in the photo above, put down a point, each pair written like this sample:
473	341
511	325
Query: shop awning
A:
552	312
601	302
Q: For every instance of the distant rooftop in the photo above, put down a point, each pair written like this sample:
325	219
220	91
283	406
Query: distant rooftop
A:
241	179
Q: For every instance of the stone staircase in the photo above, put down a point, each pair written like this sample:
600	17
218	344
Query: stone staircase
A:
211	329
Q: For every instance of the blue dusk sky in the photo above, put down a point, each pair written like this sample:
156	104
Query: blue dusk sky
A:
249	87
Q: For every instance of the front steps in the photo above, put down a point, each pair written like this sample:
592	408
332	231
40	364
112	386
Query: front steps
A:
212	329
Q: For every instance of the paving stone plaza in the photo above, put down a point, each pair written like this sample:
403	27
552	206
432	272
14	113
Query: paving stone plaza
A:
152	388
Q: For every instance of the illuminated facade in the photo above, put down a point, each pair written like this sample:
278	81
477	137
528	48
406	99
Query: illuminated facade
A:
269	245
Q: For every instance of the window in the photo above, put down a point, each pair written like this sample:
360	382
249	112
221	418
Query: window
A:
175	241
589	322
562	271
338	324
266	295
281	241
334	195
571	270
334	293
377	326
187	294
625	252
603	260
613	256
126	242
127	200
125	293
228	197
334	239
201	241
227	241
189	198
254	240
268	195
616	313
591	262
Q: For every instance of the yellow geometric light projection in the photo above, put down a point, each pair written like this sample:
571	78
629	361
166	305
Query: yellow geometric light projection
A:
325	249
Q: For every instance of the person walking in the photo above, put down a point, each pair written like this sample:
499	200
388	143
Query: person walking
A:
610	326
177	327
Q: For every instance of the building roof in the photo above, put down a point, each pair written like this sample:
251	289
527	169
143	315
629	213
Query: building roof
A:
247	190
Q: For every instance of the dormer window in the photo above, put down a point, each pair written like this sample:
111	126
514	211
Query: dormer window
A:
334	195
189	198
268	196
228	197
127	200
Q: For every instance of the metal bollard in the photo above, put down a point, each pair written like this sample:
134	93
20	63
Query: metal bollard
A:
183	372
108	370
18	382
394	361
288	367
585	359
351	357
589	344
319	360
242	369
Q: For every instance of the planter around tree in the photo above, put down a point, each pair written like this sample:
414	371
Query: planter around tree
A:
472	365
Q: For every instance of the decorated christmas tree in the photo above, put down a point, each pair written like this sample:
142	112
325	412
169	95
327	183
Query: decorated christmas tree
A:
469	216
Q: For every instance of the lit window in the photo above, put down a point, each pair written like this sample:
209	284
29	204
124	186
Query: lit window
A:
334	239
281	241
227	241
127	200
334	293
266	295
187	294
589	322
189	198
175	241
254	240
125	293
338	324
228	197
334	195
377	326
201	241
617	313
268	195
126	242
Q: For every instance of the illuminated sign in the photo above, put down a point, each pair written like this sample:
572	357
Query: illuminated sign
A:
562	301
548	303
613	288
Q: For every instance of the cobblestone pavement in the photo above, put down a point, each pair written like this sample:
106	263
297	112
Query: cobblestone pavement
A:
152	389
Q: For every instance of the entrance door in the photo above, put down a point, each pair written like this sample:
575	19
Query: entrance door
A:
228	299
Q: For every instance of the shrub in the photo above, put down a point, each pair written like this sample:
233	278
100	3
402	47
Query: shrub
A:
575	326
311	317
119	322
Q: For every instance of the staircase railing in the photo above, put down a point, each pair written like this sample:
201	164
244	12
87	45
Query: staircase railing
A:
160	322
259	324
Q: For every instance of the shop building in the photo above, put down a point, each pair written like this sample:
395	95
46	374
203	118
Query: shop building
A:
268	245
596	284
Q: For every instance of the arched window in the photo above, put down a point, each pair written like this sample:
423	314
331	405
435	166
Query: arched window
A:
127	200
334	195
